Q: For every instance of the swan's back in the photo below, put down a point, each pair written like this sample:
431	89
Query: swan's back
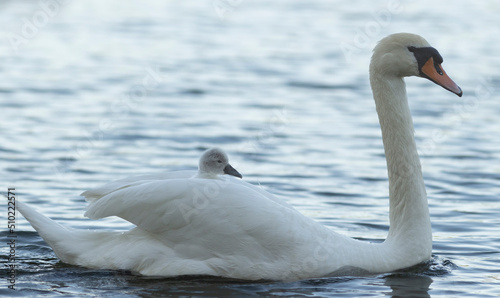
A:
229	229
99	192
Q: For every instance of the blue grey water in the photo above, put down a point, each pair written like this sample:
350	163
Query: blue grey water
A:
93	91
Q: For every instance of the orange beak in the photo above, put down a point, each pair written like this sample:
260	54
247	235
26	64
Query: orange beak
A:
434	72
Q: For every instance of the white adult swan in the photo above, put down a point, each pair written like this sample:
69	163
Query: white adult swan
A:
227	227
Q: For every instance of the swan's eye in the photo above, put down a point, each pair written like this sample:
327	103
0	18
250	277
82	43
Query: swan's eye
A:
219	161
411	48
438	68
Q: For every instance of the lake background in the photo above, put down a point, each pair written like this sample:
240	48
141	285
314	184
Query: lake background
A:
94	91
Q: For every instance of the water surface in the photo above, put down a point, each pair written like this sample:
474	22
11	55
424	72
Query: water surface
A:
105	90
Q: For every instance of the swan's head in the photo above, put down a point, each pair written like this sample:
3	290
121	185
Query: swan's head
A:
215	162
405	54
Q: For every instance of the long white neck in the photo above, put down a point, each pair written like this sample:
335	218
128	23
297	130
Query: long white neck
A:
410	229
409	241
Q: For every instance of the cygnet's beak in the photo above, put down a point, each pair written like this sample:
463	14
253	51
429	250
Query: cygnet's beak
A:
232	171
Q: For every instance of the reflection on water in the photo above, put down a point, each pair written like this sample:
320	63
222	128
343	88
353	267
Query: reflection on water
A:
104	90
416	286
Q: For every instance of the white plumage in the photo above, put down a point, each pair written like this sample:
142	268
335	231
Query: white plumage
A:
206	223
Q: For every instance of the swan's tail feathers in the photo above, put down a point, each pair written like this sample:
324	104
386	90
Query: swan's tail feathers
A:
47	228
63	240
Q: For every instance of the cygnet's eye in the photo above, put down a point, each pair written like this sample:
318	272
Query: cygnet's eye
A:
219	161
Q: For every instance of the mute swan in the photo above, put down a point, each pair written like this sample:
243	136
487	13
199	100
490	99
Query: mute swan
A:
226	227
215	162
